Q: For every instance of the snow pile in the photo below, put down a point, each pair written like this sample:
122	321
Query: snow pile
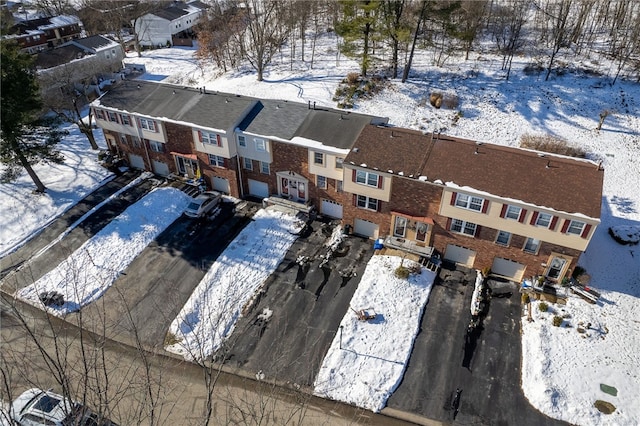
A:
210	314
89	271
367	358
625	234
475	297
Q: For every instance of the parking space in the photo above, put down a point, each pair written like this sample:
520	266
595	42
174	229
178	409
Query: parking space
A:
484	365
286	334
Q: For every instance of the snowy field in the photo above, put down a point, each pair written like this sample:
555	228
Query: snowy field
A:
89	271
210	314
24	213
562	368
367	359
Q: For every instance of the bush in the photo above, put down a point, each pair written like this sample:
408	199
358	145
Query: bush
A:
170	339
450	101
577	271
557	320
548	143
352	78
435	99
525	298
543	307
402	272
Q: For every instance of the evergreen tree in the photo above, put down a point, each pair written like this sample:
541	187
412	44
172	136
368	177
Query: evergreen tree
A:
356	29
25	140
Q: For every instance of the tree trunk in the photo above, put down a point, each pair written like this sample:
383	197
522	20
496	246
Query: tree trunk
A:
407	67
86	130
365	53
34	177
395	57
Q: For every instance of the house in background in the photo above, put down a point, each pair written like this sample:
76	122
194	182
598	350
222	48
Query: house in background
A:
477	204
170	25
35	34
80	64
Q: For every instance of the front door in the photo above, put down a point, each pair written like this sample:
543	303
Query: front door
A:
293	188
186	166
556	267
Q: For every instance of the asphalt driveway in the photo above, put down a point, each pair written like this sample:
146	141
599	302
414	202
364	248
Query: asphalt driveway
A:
308	299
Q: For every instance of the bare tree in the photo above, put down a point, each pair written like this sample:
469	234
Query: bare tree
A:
421	15
54	7
559	17
472	17
395	28
506	28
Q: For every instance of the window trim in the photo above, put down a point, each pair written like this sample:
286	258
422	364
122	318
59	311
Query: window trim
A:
366	202
539	215
404	226
261	145
217	159
339	162
323	179
242	141
463	226
147	124
247	163
366	177
572	222
318	158
509	207
159	146
505	244
262	168
526	243
468	203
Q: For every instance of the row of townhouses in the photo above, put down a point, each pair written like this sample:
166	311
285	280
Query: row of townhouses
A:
478	204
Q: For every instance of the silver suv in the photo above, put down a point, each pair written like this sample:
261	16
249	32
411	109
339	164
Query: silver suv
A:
203	204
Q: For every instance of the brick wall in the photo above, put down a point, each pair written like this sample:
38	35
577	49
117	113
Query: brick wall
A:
228	172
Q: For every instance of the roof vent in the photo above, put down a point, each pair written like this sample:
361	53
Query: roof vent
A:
139	86
355	149
226	100
174	92
541	154
477	143
548	166
476	152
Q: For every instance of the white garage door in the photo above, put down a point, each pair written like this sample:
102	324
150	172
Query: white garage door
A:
160	168
258	189
331	208
460	255
365	228
136	161
220	184
508	268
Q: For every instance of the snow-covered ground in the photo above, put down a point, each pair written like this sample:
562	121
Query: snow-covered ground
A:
562	368
367	359
89	271
210	314
24	213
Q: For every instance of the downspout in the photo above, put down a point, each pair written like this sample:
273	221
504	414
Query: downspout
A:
239	168
144	145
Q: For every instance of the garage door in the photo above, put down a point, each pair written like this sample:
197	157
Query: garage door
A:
365	228
508	268
220	184
136	161
160	168
460	255
258	189
331	208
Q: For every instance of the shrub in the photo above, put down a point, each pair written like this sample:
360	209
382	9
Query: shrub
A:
577	271
548	143
450	101
170	339
353	77
543	307
525	298
402	272
435	99
557	320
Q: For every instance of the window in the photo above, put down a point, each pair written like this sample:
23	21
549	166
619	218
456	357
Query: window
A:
463	227
264	168
112	116
513	212
338	186
543	219
123	139
210	138
124	118
531	245
156	146
575	227
339	162
400	226
216	160
100	114
136	142
260	145
468	202
242	141
318	158
503	238
366	178
421	231
367	203
321	182
248	164
147	124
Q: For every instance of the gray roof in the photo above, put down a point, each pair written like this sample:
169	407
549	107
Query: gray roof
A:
58	56
172	12
211	109
275	118
335	128
94	42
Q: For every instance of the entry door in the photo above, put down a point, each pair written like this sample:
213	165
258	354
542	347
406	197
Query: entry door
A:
556	266
295	189
186	166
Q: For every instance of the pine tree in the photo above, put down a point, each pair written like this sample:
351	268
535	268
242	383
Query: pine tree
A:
25	140
357	28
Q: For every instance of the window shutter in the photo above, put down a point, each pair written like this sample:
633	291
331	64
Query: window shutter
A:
379	206
485	206
448	224
475	234
139	123
155	126
118	119
225	162
130	121
503	213
523	214
453	198
554	222
565	226
353	175
218	140
534	217
585	231
200	136
355	200
379	182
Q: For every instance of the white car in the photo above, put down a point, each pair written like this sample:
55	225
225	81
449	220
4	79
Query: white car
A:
36	407
203	204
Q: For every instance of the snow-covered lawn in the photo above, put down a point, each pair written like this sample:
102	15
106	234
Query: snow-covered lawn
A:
89	271
24	213
210	314
367	359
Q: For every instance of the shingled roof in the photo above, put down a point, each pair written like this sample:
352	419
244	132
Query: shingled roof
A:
546	180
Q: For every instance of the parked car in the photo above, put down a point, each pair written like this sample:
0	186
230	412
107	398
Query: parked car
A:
36	407
203	204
